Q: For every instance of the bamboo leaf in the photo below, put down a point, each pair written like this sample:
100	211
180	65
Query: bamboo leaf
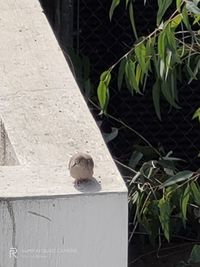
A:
185	17
169	92
138	75
171	39
156	98
168	62
164	217
196	70
195	192
127	2
120	75
179	177
195	255
141	53
114	4
102	94
130	69
196	2
135	159
197	19
197	114
173	88
102	90
178	5
162	68
176	21
105	77
130	88
192	74
134	197
163	6
131	15
184	202
162	45
192	7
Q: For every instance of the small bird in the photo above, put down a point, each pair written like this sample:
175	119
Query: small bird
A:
81	167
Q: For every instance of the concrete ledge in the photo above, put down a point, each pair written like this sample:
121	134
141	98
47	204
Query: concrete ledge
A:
44	120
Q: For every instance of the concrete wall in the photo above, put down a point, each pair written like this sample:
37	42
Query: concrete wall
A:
44	219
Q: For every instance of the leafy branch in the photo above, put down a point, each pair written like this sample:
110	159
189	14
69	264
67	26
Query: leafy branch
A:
173	47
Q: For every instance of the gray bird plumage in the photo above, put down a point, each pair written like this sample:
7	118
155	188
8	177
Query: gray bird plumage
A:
81	166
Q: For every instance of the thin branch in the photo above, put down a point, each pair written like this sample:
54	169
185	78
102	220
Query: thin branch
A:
128	127
125	166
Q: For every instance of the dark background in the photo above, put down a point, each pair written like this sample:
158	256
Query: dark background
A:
103	42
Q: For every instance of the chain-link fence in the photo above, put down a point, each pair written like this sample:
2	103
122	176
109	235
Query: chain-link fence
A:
103	42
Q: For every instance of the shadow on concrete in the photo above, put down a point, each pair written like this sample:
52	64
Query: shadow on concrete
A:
88	186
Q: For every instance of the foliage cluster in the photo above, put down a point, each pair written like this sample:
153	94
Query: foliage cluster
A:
163	198
171	49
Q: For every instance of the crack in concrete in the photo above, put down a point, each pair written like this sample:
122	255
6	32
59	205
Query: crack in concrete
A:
12	218
39	215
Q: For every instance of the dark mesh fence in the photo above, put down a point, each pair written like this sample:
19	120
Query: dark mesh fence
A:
104	42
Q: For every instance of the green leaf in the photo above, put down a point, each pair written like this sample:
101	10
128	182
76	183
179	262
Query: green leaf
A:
179	177
102	90
130	74
171	39
178	5
195	255
102	95
166	88
184	201
192	7
131	15
196	70
196	2
197	114
147	151
164	217
138	74
156	98
105	77
172	158
162	45
134	197
195	192
127	2
129	87
168	166
185	17
114	4
162	68
173	89
140	51
168	63
120	75
197	19
176	21
135	159
163	6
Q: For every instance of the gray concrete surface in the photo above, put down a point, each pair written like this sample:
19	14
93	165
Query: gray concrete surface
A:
44	120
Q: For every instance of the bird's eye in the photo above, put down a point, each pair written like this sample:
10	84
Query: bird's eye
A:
90	162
